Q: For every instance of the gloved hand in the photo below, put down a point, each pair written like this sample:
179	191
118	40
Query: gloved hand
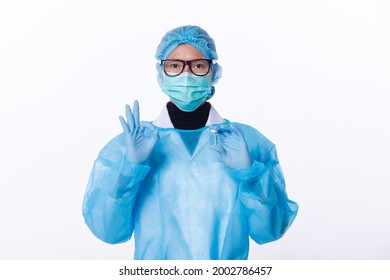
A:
140	137
232	146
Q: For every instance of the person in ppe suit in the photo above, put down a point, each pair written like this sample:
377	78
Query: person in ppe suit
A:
190	184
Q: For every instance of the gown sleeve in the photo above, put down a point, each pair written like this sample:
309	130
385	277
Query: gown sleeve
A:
110	195
262	191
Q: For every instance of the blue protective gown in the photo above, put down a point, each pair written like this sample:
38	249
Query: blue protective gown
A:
184	203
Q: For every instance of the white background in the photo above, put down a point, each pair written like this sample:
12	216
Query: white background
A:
312	76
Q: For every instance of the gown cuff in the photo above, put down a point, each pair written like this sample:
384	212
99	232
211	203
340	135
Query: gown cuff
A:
130	175
249	174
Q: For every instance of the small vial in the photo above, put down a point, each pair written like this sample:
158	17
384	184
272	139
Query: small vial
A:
213	137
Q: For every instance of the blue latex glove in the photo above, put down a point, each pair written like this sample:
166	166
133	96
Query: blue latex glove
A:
140	137
232	146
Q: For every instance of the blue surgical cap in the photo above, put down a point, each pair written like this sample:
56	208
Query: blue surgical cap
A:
195	36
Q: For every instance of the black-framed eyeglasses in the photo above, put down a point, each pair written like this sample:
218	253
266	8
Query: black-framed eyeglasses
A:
198	67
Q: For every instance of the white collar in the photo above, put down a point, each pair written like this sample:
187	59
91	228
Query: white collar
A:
164	121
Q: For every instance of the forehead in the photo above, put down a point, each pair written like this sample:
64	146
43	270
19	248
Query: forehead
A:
185	52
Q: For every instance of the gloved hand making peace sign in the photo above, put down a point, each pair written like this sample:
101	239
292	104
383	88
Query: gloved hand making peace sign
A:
141	137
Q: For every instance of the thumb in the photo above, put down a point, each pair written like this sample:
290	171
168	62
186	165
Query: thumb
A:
219	149
151	128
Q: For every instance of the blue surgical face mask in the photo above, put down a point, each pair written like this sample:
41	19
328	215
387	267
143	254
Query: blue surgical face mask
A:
187	90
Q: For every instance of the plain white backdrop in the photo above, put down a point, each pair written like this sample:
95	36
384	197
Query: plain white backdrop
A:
312	76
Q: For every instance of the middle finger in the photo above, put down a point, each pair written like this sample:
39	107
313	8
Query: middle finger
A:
130	117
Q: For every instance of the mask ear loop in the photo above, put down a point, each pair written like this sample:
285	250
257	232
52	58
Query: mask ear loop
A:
159	73
212	69
216	72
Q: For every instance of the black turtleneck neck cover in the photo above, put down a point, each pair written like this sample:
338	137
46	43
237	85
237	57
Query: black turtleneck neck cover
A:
189	120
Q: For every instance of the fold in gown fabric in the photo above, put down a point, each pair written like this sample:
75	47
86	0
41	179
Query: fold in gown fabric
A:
184	203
